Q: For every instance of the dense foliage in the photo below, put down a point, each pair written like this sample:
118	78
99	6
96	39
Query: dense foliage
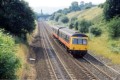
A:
16	17
76	25
9	63
75	6
111	9
84	26
112	14
96	31
114	28
71	25
57	17
64	19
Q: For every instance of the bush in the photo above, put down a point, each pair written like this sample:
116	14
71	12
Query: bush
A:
64	19
96	31
114	28
52	16
57	16
84	26
101	5
76	25
9	63
71	25
73	19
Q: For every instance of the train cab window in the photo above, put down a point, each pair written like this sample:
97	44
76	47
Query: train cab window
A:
79	41
84	41
75	41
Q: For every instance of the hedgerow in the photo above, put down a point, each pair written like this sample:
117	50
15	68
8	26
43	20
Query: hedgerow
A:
9	63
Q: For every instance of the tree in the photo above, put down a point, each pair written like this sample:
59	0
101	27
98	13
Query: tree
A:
76	25
111	9
74	6
84	26
96	31
64	19
82	4
71	25
57	16
65	11
16	17
114	28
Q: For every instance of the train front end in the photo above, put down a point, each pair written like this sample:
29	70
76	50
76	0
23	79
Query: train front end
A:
79	45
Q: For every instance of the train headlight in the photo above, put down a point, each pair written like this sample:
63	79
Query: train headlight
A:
73	48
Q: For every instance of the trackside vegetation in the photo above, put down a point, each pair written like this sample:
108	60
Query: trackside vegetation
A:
16	17
17	20
9	62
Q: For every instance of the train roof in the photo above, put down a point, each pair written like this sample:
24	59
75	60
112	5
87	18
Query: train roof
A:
72	32
58	27
69	32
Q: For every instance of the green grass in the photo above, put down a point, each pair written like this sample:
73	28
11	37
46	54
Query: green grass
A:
88	14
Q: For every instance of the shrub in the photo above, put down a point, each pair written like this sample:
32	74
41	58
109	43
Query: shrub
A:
71	25
84	26
76	25
57	16
96	31
101	5
9	63
64	19
73	19
114	28
88	7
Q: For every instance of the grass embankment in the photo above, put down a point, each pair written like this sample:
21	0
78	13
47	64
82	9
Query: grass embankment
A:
23	53
9	61
103	45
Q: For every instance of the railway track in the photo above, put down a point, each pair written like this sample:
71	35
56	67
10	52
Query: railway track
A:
106	69
58	69
80	71
100	73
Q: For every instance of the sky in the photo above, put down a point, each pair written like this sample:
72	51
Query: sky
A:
49	6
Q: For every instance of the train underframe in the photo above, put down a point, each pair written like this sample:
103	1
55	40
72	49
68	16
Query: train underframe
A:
78	53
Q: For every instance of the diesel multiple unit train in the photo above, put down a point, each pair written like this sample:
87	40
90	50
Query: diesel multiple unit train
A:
73	41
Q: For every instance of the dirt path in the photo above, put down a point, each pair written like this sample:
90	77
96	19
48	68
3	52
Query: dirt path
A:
36	68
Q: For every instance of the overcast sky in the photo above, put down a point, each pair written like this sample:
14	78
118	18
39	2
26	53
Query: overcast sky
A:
49	6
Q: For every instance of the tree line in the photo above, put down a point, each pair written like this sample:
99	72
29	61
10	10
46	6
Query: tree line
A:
76	6
111	14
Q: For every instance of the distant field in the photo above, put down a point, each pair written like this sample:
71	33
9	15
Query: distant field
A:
88	14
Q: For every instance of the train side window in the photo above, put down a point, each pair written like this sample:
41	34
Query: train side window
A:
67	38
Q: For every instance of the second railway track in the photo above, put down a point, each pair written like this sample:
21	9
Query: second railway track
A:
79	71
59	70
101	74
